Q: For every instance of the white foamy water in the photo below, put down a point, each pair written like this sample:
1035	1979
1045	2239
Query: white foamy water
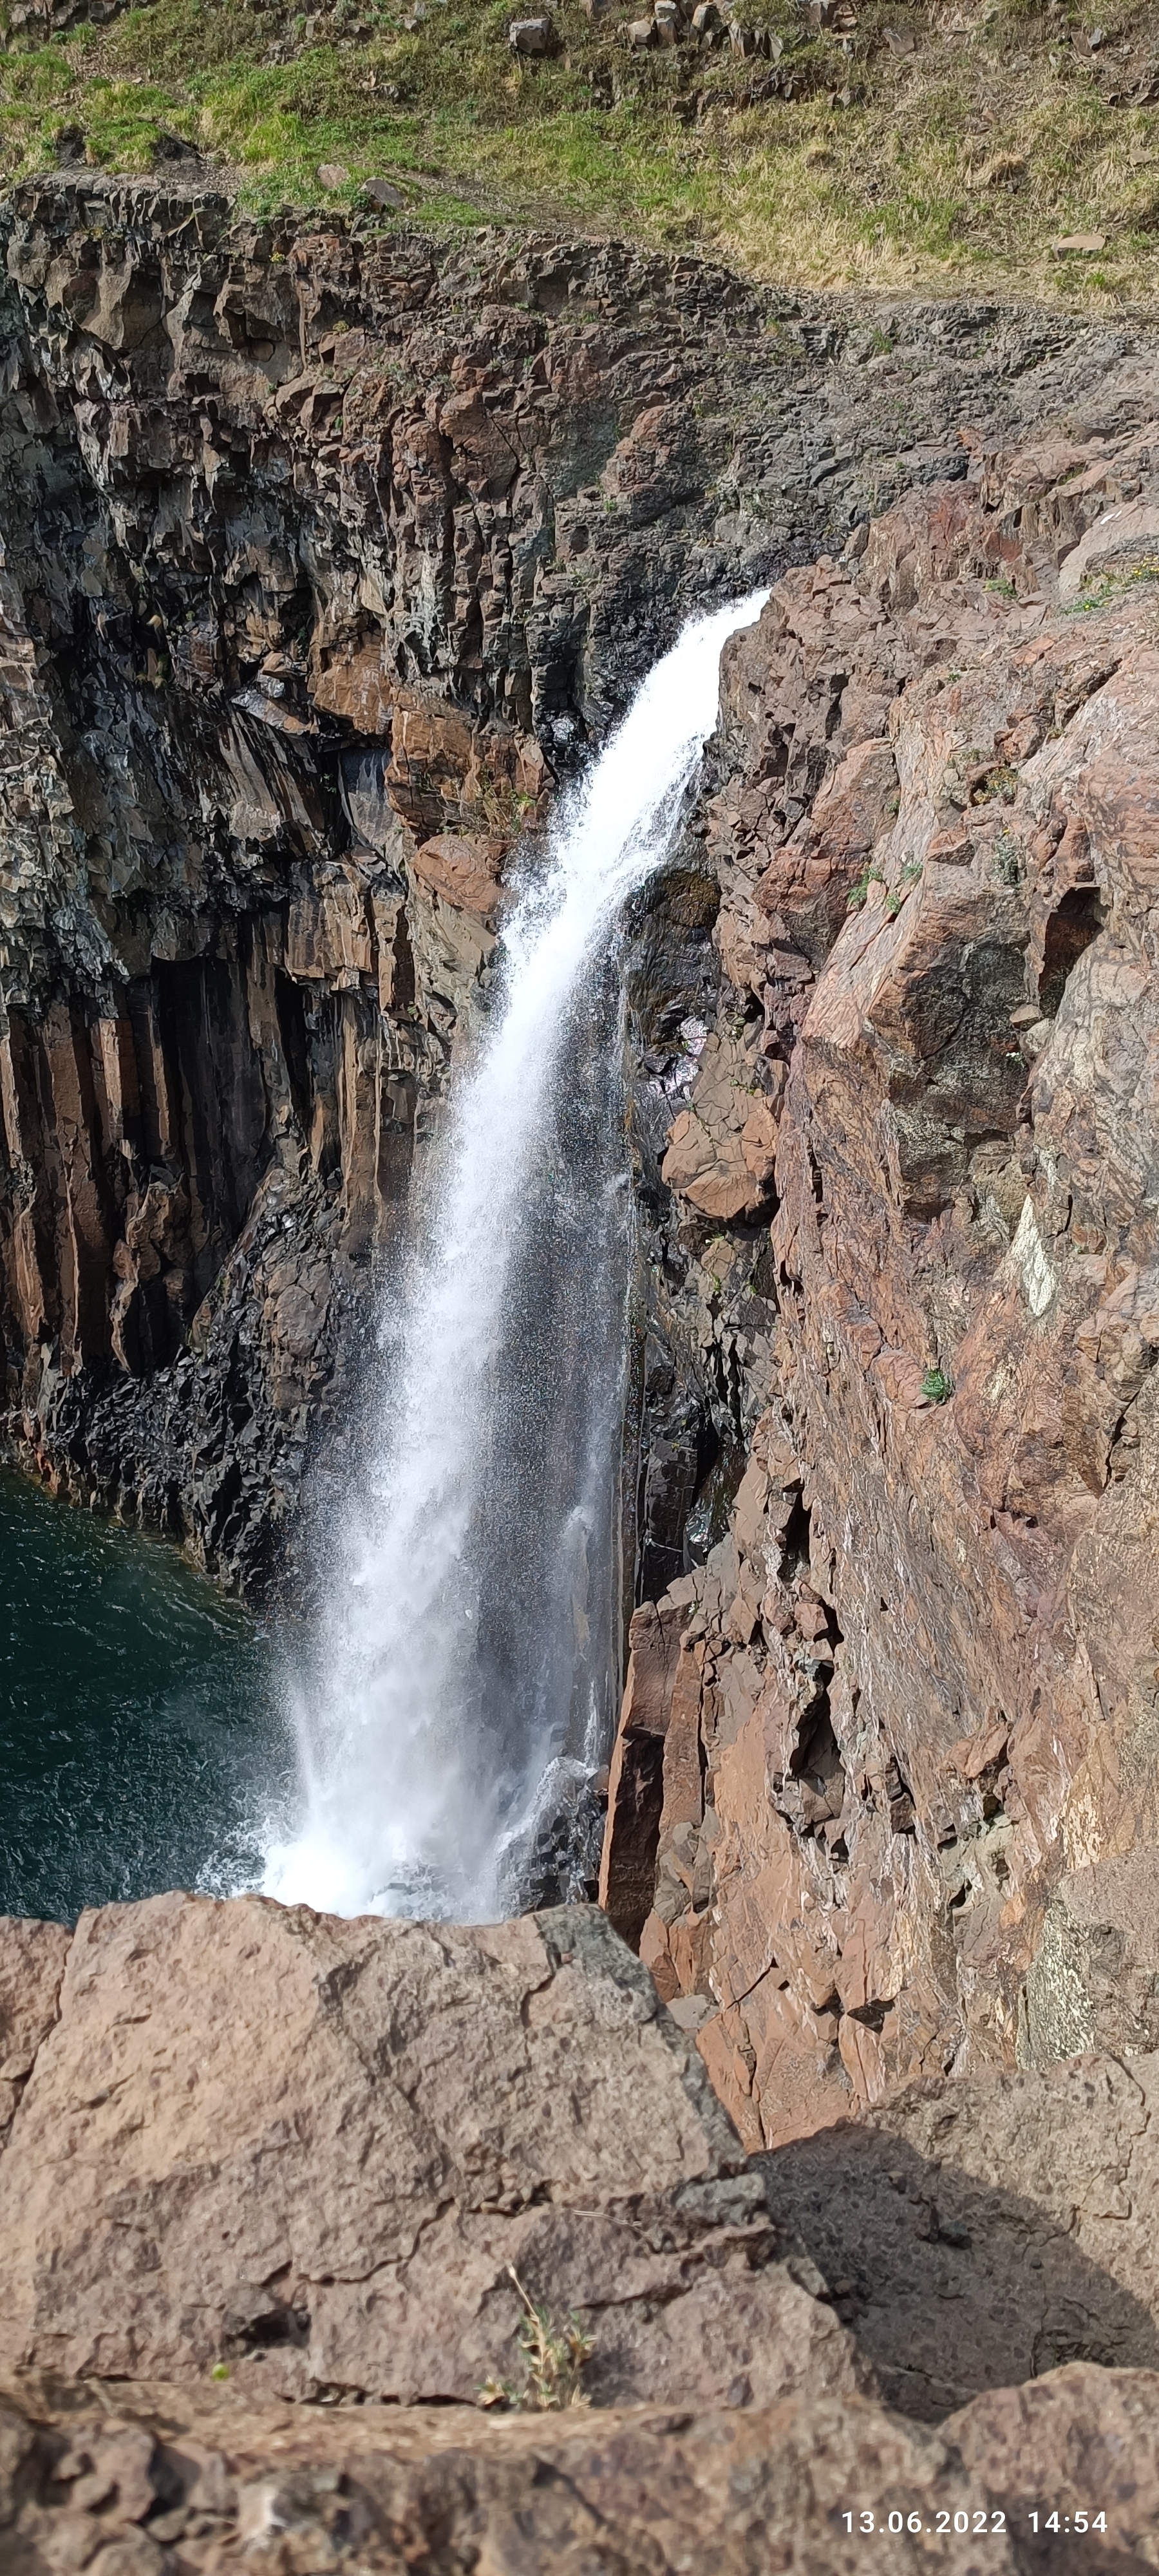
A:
462	1681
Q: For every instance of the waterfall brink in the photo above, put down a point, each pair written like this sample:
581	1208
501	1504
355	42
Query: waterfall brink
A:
461	1685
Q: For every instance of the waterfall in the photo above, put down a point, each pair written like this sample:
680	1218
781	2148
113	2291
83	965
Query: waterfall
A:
461	1681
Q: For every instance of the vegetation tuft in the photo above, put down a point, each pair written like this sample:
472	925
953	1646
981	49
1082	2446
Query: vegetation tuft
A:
859	890
554	2357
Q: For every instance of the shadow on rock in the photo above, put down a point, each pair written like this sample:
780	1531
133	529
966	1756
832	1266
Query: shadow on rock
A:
952	2281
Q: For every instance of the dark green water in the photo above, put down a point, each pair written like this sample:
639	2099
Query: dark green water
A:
140	1741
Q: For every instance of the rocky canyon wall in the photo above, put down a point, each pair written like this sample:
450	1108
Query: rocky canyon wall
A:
326	557
323	554
885	1799
326	554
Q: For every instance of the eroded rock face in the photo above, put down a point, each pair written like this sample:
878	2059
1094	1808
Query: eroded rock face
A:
314	2150
180	2481
326	552
899	1728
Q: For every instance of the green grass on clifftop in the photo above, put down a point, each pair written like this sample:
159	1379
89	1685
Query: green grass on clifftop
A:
932	148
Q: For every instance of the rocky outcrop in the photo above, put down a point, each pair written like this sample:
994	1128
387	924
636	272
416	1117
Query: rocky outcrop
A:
325	2155
977	2231
888	1744
1094	1979
329	2161
182	2483
261	2156
327	549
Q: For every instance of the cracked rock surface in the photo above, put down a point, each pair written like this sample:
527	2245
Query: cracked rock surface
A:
313	2150
311	2154
176	2482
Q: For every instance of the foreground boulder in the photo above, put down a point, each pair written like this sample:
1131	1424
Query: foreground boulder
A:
315	2151
182	2483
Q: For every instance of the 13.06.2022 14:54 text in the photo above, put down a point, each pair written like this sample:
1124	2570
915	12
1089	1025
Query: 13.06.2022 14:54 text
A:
984	2519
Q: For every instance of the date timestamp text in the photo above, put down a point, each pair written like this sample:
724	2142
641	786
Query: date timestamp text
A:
981	2520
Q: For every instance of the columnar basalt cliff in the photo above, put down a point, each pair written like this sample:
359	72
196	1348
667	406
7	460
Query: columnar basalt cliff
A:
885	1799
326	552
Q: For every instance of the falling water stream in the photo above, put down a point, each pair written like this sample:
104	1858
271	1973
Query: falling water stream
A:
460	1684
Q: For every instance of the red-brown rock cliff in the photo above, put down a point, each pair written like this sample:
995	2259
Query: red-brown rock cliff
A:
909	1701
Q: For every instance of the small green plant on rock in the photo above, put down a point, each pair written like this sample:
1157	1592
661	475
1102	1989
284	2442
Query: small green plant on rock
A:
1000	782
554	2357
936	1386
858	892
897	894
1097	592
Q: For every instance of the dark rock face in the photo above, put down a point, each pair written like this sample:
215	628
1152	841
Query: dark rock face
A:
320	553
325	553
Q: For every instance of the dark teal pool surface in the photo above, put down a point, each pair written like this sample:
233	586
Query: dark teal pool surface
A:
140	1741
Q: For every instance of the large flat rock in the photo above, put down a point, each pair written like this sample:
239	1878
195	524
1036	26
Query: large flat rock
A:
314	2150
